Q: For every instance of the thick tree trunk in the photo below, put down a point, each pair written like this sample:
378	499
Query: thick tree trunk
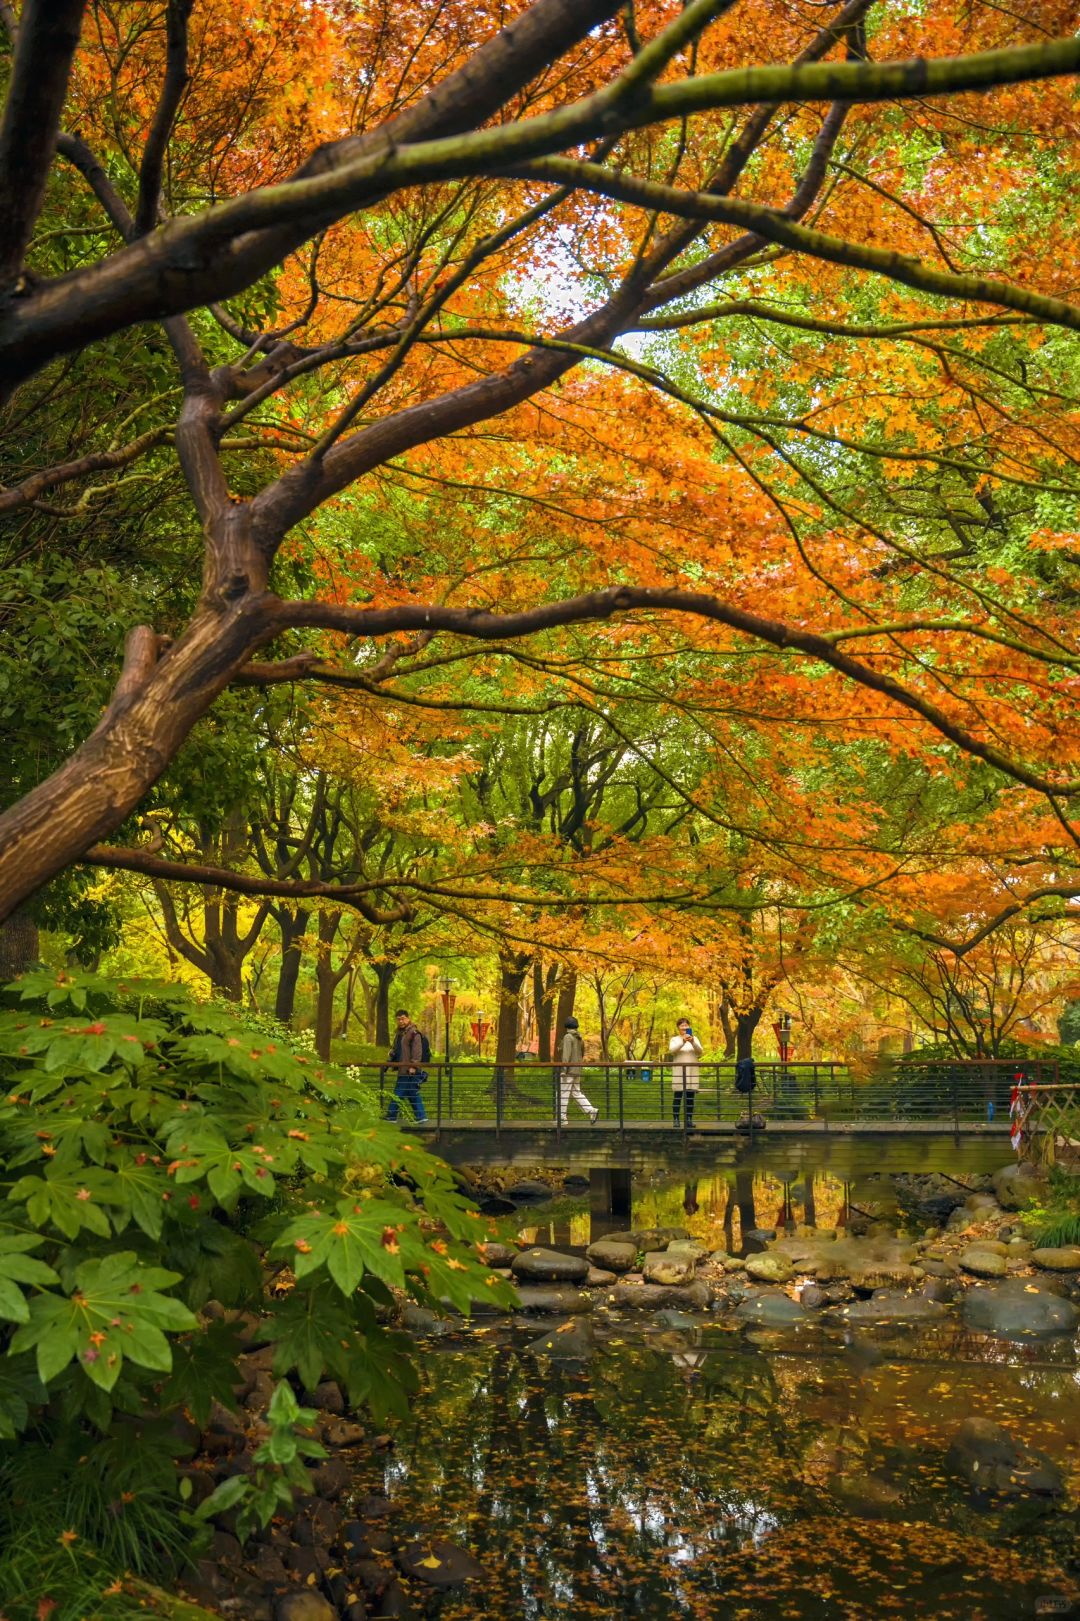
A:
327	980
293	926
745	1025
565	1006
724	1014
227	975
152	711
512	971
385	972
18	946
543	990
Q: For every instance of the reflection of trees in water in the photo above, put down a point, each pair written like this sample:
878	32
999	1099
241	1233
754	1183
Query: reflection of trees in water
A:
624	1489
619	1489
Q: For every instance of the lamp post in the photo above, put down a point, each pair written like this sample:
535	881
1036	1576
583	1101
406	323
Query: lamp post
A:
448	1001
782	1032
479	1028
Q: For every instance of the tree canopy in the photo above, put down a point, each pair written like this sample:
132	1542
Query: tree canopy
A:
596	476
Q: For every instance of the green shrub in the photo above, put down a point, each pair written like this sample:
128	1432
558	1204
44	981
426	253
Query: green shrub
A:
1055	1219
154	1155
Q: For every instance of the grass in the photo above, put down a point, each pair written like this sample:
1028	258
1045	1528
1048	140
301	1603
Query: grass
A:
79	1516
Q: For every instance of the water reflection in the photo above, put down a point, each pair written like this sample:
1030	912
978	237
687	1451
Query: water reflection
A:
719	1208
697	1474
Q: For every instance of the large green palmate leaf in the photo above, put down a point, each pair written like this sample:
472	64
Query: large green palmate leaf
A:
20	1388
18	1267
71	1199
317	1332
203	1371
115	1312
357	1238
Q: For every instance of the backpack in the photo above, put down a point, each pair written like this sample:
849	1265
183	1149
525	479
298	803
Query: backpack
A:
745	1075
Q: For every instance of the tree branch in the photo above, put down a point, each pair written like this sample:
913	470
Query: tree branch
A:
124	859
48	36
219	252
600	605
172	90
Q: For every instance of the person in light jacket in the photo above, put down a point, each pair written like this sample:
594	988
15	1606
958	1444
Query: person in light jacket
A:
572	1054
684	1050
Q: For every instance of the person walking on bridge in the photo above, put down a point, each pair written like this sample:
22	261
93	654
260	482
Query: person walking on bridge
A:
684	1049
572	1054
408	1055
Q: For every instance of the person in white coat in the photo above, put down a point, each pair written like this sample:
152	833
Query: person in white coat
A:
684	1050
572	1054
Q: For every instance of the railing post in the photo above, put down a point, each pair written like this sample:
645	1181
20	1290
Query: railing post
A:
816	1091
955	1104
499	1073
607	1089
556	1096
717	1069
438	1103
622	1120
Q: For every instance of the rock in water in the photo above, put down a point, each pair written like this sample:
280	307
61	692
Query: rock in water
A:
549	1266
565	1300
771	1311
769	1268
613	1256
1016	1185
303	1607
663	1267
983	1262
990	1460
867	1496
675	1320
496	1254
573	1341
1063	1259
656	1296
1017	1310
418	1320
599	1279
529	1191
439	1563
688	1246
890	1306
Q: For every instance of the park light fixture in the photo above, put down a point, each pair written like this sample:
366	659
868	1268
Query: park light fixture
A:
449	1000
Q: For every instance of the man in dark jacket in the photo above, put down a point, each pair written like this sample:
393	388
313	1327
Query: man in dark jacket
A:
407	1055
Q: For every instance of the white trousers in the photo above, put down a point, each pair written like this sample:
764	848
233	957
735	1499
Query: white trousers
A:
569	1087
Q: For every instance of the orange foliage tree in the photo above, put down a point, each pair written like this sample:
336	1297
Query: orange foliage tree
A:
653	362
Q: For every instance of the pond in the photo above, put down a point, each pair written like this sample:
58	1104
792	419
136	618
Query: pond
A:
710	1470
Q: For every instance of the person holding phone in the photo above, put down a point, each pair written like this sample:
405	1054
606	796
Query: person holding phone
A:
684	1050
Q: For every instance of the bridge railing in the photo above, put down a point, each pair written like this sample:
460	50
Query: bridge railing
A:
471	1093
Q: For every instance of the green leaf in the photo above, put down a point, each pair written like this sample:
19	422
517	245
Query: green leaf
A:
224	1497
284	1407
13	1304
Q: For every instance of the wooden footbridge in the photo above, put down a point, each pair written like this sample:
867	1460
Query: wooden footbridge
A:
516	1107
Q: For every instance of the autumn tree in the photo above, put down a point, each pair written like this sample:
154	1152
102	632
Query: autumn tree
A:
690	336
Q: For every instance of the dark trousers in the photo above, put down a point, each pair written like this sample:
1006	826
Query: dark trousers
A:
408	1090
676	1100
